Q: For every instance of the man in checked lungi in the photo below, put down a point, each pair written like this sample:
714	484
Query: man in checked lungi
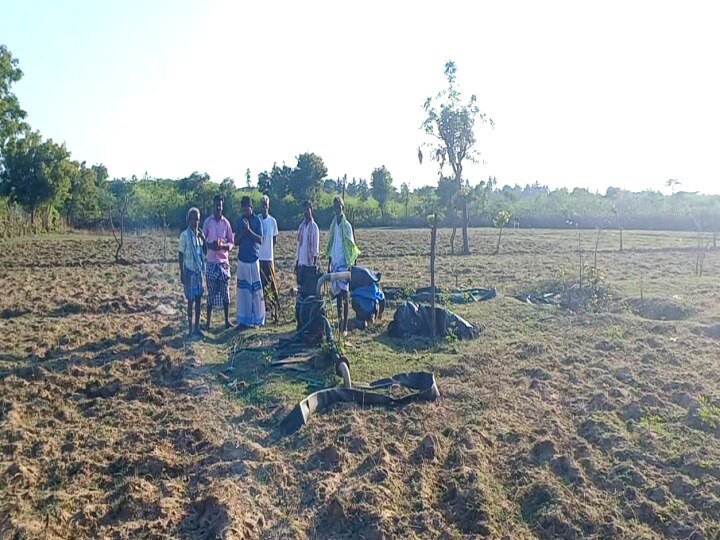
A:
219	238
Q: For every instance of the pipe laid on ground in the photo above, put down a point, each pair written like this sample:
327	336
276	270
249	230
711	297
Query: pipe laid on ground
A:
333	276
344	370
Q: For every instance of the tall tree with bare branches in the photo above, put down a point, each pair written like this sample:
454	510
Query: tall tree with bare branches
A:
451	124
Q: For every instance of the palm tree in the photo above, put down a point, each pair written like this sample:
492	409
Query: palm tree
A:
671	183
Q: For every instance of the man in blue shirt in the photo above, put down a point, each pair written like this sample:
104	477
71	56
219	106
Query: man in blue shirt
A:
249	237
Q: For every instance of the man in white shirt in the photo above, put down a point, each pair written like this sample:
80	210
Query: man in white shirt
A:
267	265
308	243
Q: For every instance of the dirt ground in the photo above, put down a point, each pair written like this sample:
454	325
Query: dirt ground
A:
587	423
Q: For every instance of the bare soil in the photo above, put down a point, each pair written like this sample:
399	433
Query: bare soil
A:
555	423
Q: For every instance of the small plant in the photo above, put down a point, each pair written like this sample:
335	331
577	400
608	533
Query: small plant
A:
596	277
655	423
709	414
451	336
456	274
598	289
329	348
499	221
407	291
616	333
273	302
266	357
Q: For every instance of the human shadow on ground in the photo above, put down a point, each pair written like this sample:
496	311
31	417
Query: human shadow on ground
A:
409	344
93	263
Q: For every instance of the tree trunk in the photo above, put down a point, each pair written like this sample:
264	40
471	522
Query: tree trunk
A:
466	244
452	236
497	248
621	239
122	236
48	211
164	239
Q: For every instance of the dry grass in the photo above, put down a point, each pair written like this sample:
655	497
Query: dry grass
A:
599	424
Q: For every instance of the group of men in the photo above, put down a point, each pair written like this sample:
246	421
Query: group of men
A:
206	252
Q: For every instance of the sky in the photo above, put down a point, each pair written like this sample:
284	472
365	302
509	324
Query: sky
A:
582	94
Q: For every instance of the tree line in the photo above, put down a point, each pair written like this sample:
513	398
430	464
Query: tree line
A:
42	188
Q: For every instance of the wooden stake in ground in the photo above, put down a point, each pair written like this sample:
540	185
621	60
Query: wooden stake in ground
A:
580	254
433	237
165	228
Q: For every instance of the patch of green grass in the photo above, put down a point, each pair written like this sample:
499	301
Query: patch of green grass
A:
709	414
656	423
274	391
616	332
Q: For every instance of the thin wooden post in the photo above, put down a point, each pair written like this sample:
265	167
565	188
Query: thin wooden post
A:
164	239
580	253
433	236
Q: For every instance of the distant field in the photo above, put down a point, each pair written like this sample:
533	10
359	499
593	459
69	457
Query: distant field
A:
594	423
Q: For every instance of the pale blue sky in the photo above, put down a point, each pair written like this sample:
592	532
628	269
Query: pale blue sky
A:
583	94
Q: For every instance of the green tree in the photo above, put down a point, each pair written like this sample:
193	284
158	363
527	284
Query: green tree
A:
281	177
82	206
11	115
381	184
352	187
614	195
330	185
451	123
306	181
480	195
101	174
190	186
264	183
196	191
363	190
36	174
428	203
